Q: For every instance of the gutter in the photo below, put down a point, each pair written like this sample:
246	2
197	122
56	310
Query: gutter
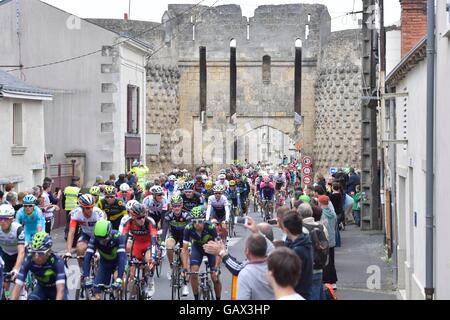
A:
429	188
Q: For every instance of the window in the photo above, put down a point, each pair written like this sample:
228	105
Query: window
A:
266	69
133	109
17	124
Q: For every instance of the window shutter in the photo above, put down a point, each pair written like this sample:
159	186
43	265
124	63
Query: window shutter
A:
130	109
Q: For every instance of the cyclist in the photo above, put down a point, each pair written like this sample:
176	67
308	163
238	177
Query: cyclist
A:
233	195
30	217
142	242
114	208
148	185
280	181
126	193
199	185
208	190
218	211
156	204
111	246
85	216
197	233
95	191
171	187
267	191
175	222
191	198
229	175
47	268
221	181
244	190
12	243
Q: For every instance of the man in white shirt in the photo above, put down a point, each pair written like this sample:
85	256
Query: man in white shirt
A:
284	267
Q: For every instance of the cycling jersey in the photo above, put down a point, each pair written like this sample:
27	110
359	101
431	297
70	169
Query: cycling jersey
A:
10	239
190	203
155	208
220	208
233	197
114	212
144	237
175	224
47	275
199	186
225	183
244	189
197	240
267	191
31	222
125	196
87	224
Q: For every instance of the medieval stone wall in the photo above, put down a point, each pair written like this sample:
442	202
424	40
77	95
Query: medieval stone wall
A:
338	97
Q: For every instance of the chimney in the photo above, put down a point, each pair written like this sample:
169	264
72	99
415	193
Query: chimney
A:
413	23
125	17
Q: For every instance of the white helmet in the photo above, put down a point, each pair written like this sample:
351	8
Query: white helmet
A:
172	178
7	211
221	176
271	172
204	178
130	204
124	187
156	190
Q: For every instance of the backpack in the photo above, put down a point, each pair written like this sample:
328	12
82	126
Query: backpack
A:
320	245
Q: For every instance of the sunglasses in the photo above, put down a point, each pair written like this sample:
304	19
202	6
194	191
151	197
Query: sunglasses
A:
158	195
218	193
40	253
109	197
28	205
177	206
198	221
6	219
140	218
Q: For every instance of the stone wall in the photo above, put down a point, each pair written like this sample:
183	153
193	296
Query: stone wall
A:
338	96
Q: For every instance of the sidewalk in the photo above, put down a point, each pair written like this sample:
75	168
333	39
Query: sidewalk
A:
357	261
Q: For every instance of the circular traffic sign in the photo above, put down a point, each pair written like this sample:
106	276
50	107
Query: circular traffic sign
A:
307	171
307	161
307	180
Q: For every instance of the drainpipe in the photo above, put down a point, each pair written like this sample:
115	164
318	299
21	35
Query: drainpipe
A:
429	287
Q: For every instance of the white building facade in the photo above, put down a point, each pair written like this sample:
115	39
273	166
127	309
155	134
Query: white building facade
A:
98	82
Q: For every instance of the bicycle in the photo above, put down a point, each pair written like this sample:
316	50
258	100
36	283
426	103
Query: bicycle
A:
267	210
109	293
160	256
177	282
138	282
234	212
206	291
7	278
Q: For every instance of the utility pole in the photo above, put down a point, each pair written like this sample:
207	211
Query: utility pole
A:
370	179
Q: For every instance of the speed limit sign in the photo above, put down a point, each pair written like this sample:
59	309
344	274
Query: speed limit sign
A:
307	180
307	161
307	171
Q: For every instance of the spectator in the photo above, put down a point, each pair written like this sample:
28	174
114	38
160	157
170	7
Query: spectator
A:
48	208
1	196
309	223
284	272
321	181
20	197
112	180
353	181
122	179
9	187
69	201
356	206
329	221
301	243
252	283
11	198
54	198
99	181
338	202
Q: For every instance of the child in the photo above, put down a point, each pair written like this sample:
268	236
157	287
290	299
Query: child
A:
356	206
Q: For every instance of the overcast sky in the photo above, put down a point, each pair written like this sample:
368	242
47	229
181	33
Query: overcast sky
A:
152	10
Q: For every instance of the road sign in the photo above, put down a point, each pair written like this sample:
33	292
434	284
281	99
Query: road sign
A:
307	180
307	171
333	171
307	161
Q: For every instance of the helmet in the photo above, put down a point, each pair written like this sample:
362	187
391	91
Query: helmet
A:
86	201
172	178
136	163
157	190
271	172
189	185
95	191
223	188
137	209
266	179
198	177
217	189
208	185
40	242
232	183
204	177
223	171
29	199
221	176
176	200
102	229
237	176
197	213
110	191
148	185
7	211
124	187
130	204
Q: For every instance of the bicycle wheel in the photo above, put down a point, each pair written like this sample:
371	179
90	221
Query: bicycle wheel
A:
159	265
176	284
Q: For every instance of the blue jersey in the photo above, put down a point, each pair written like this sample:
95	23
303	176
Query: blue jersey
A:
112	253
233	196
47	275
209	233
31	222
176	224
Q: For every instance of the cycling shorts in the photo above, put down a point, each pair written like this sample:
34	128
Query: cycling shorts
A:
10	262
45	293
139	249
84	237
197	254
104	275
